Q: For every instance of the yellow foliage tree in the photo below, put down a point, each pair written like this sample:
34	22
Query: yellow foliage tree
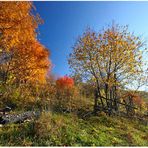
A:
112	59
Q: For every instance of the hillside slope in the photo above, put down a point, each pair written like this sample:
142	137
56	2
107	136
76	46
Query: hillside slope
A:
69	130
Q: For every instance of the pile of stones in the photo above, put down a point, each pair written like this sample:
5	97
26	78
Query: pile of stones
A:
6	117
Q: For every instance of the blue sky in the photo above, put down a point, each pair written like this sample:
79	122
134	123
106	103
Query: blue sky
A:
65	21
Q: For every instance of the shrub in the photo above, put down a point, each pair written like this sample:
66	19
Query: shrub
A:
64	82
69	100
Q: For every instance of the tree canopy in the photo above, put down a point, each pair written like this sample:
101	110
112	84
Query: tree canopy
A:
27	58
111	58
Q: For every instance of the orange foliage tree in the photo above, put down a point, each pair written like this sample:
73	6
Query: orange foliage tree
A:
27	59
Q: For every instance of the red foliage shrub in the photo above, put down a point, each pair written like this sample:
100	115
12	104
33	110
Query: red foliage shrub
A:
67	95
137	100
65	82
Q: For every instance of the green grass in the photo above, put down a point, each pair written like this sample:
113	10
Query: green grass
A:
69	130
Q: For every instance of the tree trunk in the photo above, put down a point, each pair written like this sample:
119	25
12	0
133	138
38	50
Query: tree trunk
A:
95	100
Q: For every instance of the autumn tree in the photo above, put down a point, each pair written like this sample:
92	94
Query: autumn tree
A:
31	64
111	59
24	61
22	57
67	95
64	87
64	82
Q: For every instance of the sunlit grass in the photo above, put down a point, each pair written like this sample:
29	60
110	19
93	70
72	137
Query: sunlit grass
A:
69	130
